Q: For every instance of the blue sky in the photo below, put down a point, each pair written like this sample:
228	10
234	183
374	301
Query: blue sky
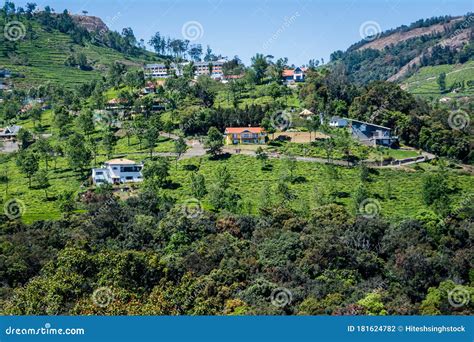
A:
297	29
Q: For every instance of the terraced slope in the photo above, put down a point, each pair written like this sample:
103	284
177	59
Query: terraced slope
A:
44	60
424	81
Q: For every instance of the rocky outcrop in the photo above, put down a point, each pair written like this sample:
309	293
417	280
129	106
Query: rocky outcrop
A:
90	23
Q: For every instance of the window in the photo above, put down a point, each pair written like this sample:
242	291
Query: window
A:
130	169
129	178
99	173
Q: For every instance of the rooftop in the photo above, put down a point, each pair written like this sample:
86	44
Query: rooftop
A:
231	130
120	161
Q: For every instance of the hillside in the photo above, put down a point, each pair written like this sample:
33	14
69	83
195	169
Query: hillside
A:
458	76
397	54
400	36
42	54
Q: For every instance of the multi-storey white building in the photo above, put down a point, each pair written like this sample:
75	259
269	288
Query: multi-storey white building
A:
117	171
204	68
201	68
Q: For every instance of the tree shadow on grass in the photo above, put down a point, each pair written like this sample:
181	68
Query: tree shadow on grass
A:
170	185
190	167
222	156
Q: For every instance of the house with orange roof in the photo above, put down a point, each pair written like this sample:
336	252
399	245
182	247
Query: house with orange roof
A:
294	75
245	135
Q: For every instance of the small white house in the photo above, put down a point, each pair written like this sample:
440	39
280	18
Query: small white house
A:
118	171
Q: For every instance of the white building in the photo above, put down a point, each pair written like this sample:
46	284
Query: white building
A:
117	171
201	68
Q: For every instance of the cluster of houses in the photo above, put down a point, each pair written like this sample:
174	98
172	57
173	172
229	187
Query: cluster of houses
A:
366	133
119	171
215	70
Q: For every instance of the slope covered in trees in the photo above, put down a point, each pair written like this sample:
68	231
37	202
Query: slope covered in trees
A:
42	46
382	58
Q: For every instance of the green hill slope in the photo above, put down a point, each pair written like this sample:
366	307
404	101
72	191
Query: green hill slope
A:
42	59
424	81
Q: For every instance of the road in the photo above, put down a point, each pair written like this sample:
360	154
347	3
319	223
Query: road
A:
196	149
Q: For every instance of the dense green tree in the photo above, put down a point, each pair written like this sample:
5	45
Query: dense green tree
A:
42	181
151	138
78	155
108	142
28	163
180	148
442	82
25	138
198	185
259	65
156	172
44	150
85	122
214	141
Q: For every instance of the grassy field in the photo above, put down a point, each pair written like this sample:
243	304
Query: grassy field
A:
424	81
45	58
358	150
397	191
